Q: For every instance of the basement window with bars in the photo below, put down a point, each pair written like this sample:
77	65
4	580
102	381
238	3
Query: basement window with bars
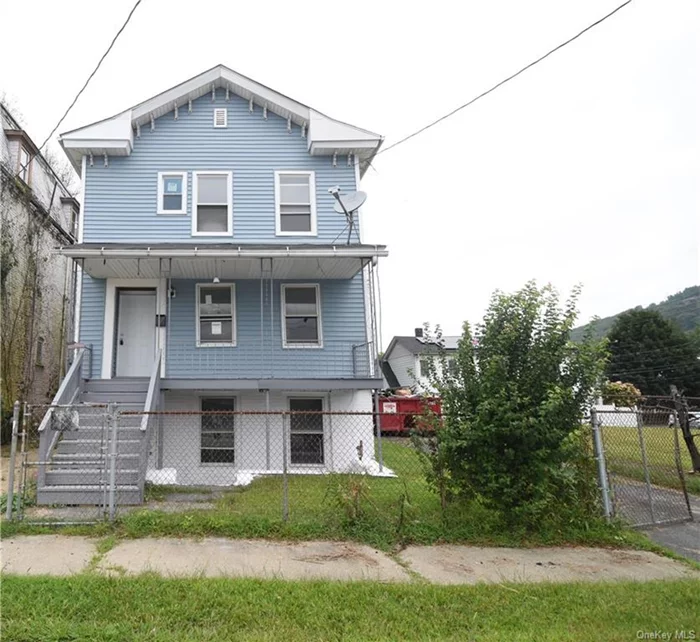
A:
216	315
306	432
217	445
212	204
295	201
301	322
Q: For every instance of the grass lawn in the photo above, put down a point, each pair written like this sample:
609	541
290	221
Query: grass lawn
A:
393	511
623	456
100	609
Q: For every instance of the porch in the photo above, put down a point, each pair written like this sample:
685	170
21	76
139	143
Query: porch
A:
242	314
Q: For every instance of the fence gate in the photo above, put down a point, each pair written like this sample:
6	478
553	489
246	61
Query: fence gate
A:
62	462
644	462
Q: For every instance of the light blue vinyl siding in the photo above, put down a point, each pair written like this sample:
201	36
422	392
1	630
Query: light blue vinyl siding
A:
92	317
342	309
121	199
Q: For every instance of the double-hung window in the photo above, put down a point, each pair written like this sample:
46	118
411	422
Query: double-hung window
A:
217	445
306	431
216	315
212	204
295	203
172	192
301	316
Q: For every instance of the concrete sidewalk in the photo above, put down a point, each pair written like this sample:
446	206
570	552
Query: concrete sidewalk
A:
346	561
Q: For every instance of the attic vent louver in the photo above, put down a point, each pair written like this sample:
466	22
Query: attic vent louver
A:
220	118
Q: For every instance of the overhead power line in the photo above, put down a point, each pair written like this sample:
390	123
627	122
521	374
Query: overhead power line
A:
87	82
503	82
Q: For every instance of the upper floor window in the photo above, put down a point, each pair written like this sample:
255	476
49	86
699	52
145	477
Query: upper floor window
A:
24	165
301	316
295	203
216	315
212	204
424	364
172	192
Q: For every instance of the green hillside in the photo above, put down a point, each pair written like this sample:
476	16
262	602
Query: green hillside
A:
683	308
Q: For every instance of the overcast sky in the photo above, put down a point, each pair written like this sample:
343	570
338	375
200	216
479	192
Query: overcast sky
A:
584	169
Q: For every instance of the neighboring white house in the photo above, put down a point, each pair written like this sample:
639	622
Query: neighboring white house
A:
405	362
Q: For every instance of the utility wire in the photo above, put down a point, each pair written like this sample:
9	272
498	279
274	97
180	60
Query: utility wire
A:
94	71
687	366
651	354
503	82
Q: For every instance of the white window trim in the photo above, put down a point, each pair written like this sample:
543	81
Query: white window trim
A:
223	344
229	189
327	446
236	438
283	315
161	193
225	110
312	195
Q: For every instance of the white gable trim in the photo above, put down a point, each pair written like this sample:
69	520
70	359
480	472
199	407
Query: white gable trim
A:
115	135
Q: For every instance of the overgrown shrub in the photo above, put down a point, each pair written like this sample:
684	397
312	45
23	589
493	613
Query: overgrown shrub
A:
623	395
513	404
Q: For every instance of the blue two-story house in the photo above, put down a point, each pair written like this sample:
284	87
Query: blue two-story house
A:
216	275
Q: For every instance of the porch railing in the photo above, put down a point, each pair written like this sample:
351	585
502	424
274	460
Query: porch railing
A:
335	360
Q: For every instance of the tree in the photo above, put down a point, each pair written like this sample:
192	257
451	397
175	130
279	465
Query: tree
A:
653	353
512	407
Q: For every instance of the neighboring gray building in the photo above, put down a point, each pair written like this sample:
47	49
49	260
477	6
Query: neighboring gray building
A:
404	361
38	213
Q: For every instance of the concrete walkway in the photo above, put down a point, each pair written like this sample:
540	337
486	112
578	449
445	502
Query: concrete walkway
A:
213	557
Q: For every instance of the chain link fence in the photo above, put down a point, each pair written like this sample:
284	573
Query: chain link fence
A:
86	463
82	463
60	463
643	465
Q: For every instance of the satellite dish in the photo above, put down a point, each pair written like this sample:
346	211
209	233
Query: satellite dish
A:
346	203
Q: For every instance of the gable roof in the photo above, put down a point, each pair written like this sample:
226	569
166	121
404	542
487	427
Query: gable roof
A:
416	346
325	135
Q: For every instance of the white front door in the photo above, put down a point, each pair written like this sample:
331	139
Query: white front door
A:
136	332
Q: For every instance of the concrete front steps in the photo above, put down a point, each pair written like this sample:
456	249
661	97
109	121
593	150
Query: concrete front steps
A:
79	467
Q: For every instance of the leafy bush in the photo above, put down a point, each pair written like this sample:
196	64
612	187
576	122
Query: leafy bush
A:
624	395
513	405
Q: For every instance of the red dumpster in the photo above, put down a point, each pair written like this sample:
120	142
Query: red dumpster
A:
400	415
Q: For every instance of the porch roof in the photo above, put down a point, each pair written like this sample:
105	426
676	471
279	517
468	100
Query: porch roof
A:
223	260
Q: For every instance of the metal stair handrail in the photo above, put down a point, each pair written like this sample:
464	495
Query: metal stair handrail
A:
69	389
152	396
151	406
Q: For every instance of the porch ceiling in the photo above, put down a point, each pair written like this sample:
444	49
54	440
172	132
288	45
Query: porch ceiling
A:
224	261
